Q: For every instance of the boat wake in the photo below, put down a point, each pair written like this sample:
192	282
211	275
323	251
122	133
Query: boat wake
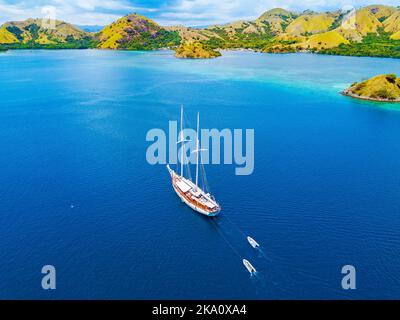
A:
263	268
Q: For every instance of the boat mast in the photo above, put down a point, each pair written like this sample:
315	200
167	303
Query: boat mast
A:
198	151
182	141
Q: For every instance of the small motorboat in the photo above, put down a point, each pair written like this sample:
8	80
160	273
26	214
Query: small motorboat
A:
253	242
249	266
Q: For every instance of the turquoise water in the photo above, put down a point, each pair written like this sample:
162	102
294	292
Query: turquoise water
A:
76	190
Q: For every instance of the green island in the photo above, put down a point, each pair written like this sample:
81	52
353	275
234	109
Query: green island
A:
368	31
383	88
195	50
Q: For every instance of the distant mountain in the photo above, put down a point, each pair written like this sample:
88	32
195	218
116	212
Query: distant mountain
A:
34	33
136	32
91	28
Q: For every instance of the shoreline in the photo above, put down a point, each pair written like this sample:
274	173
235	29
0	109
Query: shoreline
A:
221	50
218	49
350	94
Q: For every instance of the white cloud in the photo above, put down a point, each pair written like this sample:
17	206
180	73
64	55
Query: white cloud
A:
85	12
197	12
10	10
167	12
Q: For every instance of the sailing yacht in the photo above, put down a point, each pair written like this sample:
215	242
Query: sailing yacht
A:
190	192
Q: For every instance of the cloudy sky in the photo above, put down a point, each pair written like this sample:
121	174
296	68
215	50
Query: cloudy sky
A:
165	12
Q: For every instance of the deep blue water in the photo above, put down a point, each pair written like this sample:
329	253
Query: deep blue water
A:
76	191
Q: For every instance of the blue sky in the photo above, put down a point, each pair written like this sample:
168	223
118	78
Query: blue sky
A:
165	12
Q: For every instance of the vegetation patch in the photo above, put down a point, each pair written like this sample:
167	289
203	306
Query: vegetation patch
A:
196	50
373	45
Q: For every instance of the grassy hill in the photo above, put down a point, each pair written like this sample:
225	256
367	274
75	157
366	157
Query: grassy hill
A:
330	39
381	12
395	36
32	33
392	23
379	88
136	32
311	24
276	20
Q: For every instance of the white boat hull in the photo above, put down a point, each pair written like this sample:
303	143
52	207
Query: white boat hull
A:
249	266
195	208
187	202
253	242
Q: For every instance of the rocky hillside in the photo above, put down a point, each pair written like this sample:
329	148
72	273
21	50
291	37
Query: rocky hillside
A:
136	32
379	88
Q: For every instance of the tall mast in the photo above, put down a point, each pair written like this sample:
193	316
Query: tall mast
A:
182	141
198	151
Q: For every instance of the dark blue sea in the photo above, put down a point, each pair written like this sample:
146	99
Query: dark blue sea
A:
76	191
